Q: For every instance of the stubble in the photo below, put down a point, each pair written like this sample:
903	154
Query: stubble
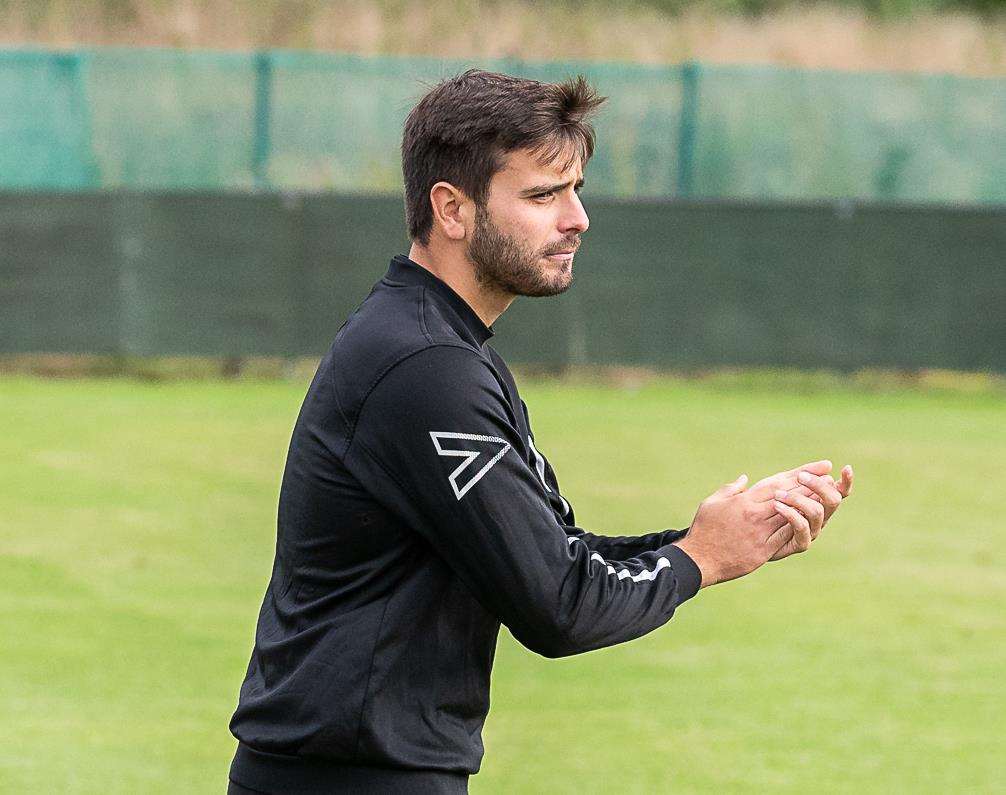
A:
504	264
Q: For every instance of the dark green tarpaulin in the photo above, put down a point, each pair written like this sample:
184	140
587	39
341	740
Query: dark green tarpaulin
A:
657	283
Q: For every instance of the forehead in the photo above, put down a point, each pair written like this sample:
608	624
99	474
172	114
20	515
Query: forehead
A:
522	167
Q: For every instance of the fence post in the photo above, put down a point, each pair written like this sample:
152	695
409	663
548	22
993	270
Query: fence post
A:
687	129
263	101
72	64
127	213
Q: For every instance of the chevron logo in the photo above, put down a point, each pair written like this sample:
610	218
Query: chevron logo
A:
458	445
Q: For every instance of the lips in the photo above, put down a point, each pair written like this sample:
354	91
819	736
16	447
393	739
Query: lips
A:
565	252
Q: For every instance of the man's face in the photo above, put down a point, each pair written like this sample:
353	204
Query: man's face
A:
525	237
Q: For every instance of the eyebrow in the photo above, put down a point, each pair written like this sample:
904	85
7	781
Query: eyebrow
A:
550	188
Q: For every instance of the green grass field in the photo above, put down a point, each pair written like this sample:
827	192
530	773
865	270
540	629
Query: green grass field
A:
136	538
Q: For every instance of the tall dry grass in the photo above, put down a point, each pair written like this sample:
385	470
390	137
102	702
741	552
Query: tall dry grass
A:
815	36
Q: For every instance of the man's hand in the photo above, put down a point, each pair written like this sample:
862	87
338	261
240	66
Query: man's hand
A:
736	531
808	507
765	488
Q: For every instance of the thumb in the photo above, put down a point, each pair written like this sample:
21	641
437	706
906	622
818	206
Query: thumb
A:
735	487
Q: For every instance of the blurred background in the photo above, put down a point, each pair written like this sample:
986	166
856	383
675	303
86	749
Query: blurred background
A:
797	250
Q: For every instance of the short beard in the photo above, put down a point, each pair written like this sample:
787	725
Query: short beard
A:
504	264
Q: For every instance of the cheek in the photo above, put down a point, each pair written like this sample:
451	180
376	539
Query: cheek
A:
533	228
526	224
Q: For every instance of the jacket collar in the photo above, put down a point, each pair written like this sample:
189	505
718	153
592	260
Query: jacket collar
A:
403	270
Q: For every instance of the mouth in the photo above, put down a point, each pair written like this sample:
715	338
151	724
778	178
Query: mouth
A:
560	256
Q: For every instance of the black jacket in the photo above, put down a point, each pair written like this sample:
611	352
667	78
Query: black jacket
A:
415	515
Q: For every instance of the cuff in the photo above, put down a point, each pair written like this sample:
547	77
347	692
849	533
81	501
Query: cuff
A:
686	572
670	536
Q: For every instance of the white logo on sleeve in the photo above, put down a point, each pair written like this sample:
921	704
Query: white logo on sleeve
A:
460	445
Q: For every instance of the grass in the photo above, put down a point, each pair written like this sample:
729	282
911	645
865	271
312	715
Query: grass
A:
137	533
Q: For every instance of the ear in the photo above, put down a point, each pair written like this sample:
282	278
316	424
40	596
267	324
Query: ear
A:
450	210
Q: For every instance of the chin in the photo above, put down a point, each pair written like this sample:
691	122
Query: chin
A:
564	274
561	284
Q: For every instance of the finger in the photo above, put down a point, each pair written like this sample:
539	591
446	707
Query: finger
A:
761	511
822	467
786	549
846	485
830	496
780	538
775	522
813	511
734	487
786	480
805	492
790	484
767	518
799	523
763	489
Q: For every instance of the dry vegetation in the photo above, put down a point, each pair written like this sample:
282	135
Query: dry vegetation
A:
815	36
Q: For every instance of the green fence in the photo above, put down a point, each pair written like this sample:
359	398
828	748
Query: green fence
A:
658	283
172	120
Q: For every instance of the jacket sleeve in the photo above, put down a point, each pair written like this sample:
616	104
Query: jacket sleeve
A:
616	547
437	442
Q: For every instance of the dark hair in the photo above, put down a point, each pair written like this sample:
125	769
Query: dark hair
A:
460	130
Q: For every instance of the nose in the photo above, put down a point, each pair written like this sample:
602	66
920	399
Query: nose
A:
574	218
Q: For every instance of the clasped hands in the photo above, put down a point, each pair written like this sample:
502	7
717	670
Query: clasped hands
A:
737	529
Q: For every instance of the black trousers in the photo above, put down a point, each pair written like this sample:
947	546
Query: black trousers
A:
372	787
280	774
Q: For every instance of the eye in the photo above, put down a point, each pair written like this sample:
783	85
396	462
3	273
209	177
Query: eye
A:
543	198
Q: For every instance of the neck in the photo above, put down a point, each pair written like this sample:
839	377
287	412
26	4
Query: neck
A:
454	270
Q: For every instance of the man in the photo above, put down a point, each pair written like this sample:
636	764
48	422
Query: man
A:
416	513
